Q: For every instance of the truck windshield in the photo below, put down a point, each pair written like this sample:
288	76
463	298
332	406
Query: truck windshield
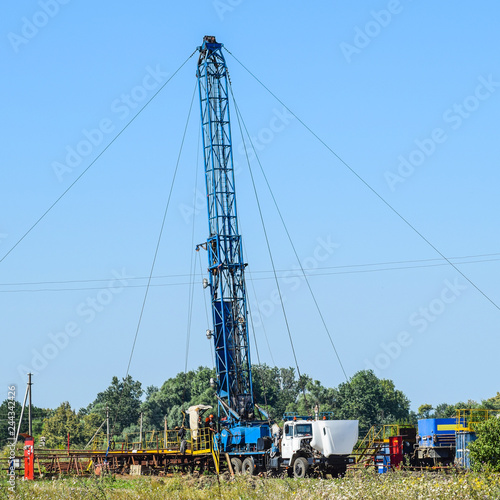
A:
303	429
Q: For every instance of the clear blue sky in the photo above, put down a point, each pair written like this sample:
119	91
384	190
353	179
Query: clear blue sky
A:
406	93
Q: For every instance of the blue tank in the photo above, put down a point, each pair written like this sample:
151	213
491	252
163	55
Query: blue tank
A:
436	432
462	453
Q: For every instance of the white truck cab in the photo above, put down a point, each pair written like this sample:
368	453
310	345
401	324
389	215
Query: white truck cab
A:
296	434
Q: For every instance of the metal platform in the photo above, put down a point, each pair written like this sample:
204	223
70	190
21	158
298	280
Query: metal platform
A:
161	453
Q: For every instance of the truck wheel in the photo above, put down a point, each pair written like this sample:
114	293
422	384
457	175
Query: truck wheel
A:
248	467
300	467
236	465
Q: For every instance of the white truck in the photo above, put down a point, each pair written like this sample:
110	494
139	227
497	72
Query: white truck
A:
316	447
302	447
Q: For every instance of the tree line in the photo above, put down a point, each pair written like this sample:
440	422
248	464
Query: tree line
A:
364	397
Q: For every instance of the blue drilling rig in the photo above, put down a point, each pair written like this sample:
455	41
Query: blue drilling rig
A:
226	267
245	431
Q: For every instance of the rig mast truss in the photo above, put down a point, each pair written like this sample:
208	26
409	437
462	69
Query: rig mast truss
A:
226	266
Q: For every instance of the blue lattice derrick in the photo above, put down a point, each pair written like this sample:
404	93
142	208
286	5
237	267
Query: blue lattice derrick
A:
226	266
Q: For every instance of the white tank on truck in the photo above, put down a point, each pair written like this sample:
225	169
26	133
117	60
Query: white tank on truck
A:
313	446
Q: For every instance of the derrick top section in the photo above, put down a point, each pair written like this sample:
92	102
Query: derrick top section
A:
211	52
210	44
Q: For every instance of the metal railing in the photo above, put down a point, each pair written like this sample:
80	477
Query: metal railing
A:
197	441
366	447
390	430
468	419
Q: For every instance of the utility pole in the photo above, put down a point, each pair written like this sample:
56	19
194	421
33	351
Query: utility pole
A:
28	390
107	424
30	426
165	434
140	432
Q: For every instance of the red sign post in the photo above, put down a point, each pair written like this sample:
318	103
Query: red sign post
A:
29	459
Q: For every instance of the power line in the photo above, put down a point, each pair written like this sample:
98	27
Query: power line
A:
346	266
92	162
249	274
267	243
125	379
160	235
191	267
262	323
304	275
367	185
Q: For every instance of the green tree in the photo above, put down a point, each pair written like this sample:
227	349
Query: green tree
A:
444	410
275	389
412	418
88	426
266	387
394	405
370	400
288	392
176	395
151	410
315	394
486	448
278	390
424	411
4	420
63	421
37	417
123	398
492	403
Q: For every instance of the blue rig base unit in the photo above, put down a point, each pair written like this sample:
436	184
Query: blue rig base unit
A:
436	440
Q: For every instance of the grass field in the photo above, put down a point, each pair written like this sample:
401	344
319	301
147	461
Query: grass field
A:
358	485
